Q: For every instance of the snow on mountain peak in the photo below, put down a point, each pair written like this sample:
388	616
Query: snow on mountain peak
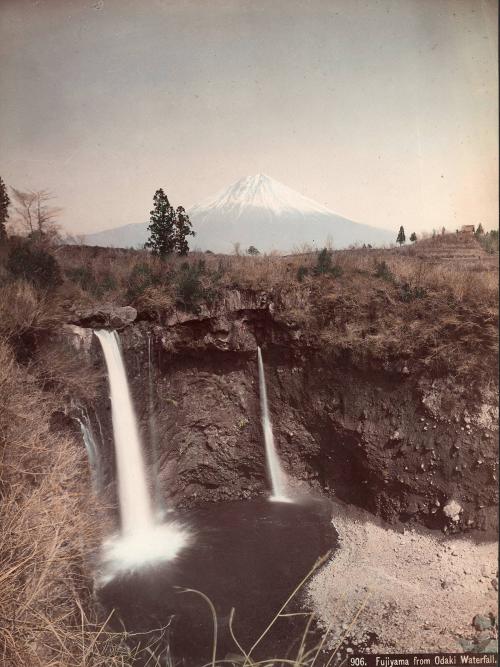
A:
260	192
257	210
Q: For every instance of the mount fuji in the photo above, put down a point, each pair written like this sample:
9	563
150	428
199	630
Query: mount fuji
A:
258	211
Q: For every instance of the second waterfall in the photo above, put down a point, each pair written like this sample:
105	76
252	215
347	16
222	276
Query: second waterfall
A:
277	476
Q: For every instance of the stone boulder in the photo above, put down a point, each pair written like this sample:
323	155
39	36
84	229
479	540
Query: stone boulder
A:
452	510
104	315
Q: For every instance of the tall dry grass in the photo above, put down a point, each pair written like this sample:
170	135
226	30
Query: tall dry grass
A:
114	270
24	309
380	304
468	282
48	516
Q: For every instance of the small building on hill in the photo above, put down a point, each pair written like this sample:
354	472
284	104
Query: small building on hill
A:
467	230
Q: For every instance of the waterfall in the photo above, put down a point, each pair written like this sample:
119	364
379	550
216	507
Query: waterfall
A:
277	476
91	448
142	539
153	432
135	506
88	440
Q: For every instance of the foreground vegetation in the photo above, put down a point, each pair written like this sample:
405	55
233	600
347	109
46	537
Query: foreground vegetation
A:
365	305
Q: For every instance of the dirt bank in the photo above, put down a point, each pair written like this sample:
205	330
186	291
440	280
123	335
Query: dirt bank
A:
418	590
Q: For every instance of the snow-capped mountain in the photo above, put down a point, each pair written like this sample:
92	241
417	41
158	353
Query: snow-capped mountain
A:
258	211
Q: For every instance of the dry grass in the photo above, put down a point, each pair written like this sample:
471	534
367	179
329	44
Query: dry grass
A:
49	535
385	305
114	270
468	282
24	309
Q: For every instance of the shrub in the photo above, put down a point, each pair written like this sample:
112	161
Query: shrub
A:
336	271
189	289
35	265
141	277
89	282
302	272
408	293
325	266
383	271
489	241
323	262
155	299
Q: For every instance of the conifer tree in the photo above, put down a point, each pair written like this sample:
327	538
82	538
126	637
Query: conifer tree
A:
168	228
182	231
413	237
161	226
4	210
401	236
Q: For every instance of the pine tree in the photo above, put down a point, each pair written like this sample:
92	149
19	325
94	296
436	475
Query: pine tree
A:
479	231
4	210
401	236
182	231
168	228
161	226
413	237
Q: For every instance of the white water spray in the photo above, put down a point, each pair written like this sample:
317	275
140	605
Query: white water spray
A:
277	476
142	540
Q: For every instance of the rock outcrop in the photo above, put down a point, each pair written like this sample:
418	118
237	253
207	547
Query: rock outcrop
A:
105	315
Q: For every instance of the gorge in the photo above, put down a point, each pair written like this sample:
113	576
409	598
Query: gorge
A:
382	438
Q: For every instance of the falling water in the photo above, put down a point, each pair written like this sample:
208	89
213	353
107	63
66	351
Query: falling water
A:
142	539
135	506
277	476
91	448
153	432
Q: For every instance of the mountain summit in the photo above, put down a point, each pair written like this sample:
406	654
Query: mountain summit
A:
263	193
259	211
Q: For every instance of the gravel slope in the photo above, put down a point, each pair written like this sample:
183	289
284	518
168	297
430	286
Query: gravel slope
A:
421	590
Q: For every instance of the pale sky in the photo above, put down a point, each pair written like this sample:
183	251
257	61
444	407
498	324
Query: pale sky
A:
383	110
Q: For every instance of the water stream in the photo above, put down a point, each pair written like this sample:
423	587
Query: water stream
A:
277	476
142	540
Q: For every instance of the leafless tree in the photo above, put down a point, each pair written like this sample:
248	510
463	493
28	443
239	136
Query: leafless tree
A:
237	248
34	213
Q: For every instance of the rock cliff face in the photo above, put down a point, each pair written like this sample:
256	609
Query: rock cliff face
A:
398	443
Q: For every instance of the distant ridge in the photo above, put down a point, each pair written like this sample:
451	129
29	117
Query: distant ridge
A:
259	211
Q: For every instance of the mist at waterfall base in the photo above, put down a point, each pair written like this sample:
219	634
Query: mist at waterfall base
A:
142	539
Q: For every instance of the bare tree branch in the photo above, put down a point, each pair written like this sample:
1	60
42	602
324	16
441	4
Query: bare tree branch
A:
34	215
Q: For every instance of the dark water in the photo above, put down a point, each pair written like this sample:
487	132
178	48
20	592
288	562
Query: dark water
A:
247	555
